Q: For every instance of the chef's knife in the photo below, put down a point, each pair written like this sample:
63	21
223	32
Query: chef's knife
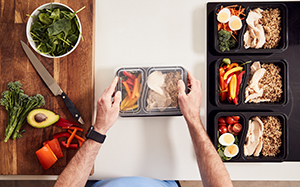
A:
50	82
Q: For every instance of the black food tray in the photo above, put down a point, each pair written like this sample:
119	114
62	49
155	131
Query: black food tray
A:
287	57
244	121
239	48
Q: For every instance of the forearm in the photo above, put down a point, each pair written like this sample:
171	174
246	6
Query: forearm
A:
212	169
77	171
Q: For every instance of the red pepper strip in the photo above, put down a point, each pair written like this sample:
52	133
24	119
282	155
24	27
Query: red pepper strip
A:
71	138
239	81
71	146
127	74
46	157
235	100
73	128
222	85
61	134
65	123
80	140
55	147
229	79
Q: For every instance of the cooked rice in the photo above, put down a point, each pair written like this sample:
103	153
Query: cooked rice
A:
271	22
271	136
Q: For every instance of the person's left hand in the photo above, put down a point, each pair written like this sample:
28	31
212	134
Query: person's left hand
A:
108	111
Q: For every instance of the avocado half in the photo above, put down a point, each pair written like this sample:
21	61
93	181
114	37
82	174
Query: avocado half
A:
40	118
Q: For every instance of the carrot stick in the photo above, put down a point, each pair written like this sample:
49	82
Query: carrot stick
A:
73	128
127	88
71	138
134	89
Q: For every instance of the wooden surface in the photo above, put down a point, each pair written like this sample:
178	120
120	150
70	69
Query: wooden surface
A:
74	74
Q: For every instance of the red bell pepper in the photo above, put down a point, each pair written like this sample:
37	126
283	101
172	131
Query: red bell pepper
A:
46	157
71	146
61	134
239	81
127	74
55	147
65	123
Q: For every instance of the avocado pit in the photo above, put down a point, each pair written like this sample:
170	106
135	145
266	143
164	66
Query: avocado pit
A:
40	117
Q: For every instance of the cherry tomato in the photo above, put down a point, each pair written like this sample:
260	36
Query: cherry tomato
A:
237	127
222	129
221	120
236	118
229	128
220	124
229	120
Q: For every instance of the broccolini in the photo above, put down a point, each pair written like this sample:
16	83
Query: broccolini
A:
226	41
18	105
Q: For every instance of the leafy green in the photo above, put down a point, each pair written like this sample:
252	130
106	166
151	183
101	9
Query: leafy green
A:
226	41
56	31
18	105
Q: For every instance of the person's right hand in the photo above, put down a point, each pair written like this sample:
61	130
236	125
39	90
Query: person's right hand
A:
190	103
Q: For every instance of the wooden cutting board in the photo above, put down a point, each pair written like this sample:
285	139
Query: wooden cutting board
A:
74	74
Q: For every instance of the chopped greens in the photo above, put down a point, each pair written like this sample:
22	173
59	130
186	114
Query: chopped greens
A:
55	31
18	105
226	41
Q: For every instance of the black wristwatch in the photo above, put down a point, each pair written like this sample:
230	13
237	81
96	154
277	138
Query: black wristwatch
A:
96	136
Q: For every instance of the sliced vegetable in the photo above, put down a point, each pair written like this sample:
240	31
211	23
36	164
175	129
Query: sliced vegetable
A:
127	74
80	140
55	147
46	157
73	128
135	88
71	146
71	138
61	134
232	86
226	60
65	123
236	69
127	88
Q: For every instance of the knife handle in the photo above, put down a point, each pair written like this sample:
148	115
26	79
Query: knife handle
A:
71	107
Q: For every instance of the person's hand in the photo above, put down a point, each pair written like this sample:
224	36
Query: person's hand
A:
190	103
108	111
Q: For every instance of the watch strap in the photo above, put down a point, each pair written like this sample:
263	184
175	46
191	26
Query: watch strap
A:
94	135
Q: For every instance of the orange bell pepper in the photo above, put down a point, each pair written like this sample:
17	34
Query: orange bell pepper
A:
127	88
55	147
46	157
135	88
71	138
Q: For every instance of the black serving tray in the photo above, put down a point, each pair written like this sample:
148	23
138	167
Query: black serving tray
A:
142	110
283	44
244	121
287	57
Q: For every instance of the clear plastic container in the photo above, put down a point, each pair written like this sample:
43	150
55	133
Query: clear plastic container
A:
158	99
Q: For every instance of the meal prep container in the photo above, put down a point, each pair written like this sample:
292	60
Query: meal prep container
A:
282	64
244	121
225	104
283	44
142	110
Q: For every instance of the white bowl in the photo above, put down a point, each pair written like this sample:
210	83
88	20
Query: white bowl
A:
31	21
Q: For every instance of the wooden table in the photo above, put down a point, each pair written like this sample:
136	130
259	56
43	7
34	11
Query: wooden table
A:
74	74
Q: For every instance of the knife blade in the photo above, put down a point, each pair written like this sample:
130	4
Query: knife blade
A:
51	83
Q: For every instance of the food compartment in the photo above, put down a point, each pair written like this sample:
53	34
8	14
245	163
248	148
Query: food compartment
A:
228	40
161	90
270	82
274	136
274	42
228	121
130	84
223	94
